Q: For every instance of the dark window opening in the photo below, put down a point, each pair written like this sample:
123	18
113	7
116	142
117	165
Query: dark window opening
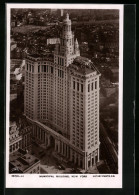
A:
92	87
95	84
73	84
81	87
77	86
44	68
88	87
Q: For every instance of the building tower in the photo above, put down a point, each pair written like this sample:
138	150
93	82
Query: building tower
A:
84	110
62	93
64	54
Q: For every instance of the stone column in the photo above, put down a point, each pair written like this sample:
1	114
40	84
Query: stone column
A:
48	140
71	154
45	138
55	145
86	163
98	154
79	160
62	148
67	151
91	160
37	132
58	146
75	158
83	165
94	158
41	134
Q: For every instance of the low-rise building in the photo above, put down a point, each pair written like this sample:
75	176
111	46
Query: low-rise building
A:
23	162
14	138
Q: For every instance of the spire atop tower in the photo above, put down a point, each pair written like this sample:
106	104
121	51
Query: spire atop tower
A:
76	41
67	16
77	51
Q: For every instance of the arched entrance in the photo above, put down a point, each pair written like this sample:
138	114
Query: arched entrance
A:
52	141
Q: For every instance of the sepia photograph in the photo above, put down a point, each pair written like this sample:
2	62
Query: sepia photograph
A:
64	96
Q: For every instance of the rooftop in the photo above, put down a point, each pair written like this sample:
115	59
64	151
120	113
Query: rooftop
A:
83	65
41	56
20	161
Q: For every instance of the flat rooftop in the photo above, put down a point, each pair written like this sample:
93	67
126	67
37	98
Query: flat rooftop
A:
22	161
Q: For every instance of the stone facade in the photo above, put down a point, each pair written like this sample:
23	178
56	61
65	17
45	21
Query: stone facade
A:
62	100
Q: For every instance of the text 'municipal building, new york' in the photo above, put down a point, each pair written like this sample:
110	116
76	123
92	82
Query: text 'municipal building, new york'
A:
62	100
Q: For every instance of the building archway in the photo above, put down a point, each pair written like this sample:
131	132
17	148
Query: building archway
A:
52	141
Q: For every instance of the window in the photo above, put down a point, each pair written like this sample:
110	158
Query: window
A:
47	68
27	66
92	87
44	68
51	69
73	84
77	86
88	87
81	87
32	68
95	84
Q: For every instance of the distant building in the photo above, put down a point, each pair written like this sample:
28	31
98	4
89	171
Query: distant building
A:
53	41
84	46
62	12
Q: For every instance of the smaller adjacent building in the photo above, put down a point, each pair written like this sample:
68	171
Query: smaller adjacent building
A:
23	162
26	134
53	41
20	137
15	138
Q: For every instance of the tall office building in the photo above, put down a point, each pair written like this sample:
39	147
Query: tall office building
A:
62	100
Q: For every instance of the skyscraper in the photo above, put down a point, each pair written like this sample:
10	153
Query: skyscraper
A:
62	100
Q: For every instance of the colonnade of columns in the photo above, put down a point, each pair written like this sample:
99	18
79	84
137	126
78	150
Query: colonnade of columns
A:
41	135
66	151
92	159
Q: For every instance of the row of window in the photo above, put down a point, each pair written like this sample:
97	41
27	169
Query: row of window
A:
60	73
60	61
77	86
91	86
45	68
30	67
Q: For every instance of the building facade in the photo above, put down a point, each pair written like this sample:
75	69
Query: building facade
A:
19	138
62	100
15	139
